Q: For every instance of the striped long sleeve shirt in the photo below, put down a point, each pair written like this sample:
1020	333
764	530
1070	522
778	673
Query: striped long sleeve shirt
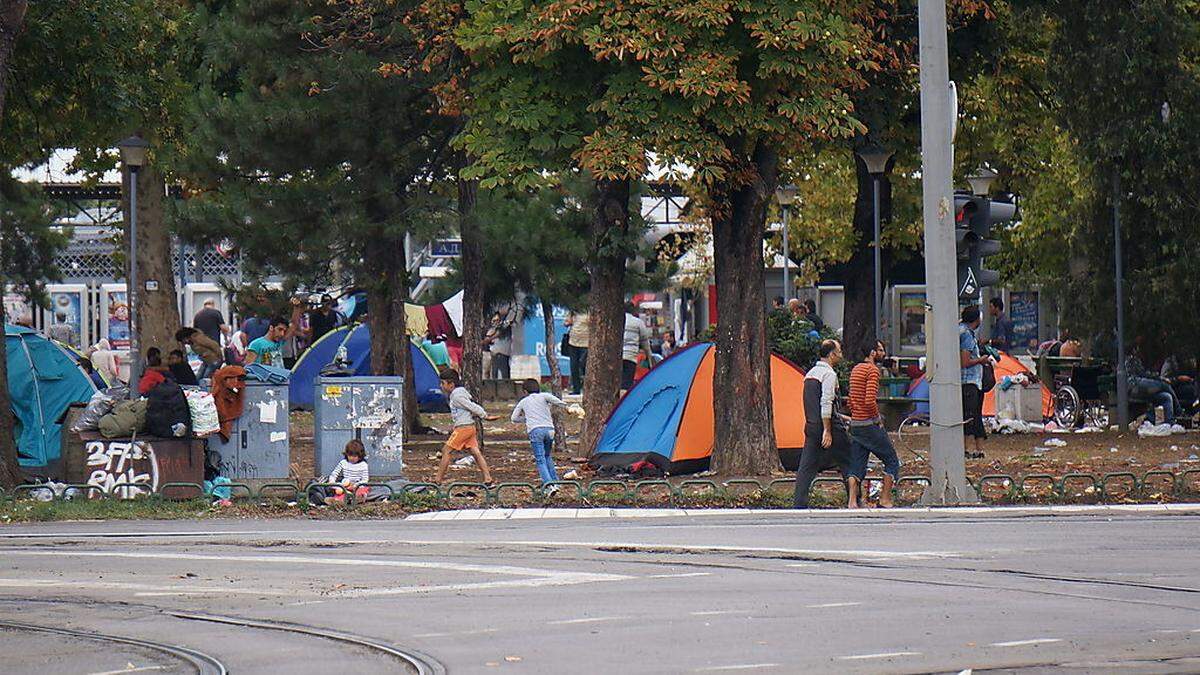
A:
864	390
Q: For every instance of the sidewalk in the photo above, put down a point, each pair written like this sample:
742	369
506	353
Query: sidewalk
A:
910	512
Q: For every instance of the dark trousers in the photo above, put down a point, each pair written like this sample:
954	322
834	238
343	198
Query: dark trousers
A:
500	369
870	440
973	411
578	358
814	459
628	370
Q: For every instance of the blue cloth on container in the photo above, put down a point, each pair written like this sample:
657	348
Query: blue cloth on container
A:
270	374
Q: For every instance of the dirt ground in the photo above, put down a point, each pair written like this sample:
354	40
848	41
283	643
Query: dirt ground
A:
507	450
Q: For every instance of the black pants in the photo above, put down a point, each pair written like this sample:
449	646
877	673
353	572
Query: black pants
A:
973	411
814	459
628	370
500	369
578	358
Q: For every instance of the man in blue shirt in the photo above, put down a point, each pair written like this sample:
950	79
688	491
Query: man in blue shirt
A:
1002	327
972	378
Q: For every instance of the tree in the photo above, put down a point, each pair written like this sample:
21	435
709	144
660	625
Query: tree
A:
298	136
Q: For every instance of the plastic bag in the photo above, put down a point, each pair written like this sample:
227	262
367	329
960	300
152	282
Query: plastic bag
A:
98	406
204	412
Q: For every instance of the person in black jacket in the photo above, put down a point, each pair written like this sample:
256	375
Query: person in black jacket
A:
180	370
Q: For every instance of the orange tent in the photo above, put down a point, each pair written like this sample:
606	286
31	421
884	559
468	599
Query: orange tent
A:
1008	365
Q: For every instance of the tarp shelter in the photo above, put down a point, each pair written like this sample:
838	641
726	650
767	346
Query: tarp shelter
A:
1009	366
43	381
357	341
667	417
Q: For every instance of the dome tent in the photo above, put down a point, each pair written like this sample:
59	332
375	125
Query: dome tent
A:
1007	366
357	341
667	417
43	381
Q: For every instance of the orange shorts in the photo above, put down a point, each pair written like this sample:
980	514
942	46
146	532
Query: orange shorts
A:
462	438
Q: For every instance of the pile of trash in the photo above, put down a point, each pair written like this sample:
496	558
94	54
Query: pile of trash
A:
1149	429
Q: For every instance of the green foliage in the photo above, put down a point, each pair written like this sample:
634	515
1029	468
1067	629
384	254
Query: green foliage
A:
795	339
28	243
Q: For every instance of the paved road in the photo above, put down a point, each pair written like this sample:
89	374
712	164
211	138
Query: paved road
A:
753	593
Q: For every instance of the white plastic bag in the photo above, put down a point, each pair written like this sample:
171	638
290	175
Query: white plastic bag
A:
204	412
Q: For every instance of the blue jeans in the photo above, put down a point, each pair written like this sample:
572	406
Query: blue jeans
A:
872	440
1158	393
542	440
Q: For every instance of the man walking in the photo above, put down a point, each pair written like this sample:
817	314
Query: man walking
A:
972	379
1002	328
636	339
825	445
210	322
867	434
579	339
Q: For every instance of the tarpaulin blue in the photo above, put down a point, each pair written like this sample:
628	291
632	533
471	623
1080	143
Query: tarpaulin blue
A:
43	381
357	341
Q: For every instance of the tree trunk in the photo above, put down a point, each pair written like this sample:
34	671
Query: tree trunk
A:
472	275
387	290
157	310
859	316
12	15
560	435
745	430
608	231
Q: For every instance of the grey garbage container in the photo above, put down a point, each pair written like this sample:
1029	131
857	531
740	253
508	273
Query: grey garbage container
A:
369	408
258	446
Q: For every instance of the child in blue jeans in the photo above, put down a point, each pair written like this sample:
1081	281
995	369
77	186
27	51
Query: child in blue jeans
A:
536	410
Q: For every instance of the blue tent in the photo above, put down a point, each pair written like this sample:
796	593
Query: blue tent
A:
357	341
43	381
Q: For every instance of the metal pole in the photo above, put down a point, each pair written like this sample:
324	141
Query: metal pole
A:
135	362
1122	380
787	285
948	482
878	268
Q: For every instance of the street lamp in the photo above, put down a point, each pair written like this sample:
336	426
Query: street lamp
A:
981	181
786	194
133	156
876	159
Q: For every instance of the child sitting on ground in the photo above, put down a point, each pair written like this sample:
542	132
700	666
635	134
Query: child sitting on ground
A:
351	473
535	410
463	412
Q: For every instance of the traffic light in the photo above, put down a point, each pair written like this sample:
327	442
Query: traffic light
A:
974	218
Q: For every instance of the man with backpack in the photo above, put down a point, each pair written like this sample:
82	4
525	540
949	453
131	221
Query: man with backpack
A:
973	364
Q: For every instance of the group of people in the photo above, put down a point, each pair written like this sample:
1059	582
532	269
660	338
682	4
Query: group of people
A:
798	310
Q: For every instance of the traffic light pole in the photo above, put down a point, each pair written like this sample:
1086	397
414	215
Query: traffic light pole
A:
948	482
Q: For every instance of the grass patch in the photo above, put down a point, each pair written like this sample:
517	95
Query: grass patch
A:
30	511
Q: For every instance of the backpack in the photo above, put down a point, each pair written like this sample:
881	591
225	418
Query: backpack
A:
167	406
989	378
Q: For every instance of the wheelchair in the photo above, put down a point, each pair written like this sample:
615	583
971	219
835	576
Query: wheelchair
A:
1079	398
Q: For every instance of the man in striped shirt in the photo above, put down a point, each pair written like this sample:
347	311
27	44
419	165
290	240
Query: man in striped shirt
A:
866	428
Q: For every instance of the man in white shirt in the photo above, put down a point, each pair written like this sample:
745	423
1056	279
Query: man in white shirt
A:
636	340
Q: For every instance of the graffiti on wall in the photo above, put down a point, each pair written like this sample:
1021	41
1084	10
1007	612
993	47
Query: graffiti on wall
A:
115	465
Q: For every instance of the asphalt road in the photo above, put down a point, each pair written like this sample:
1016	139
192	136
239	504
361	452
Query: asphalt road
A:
753	593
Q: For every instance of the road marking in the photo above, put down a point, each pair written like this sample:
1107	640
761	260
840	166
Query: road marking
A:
120	535
884	655
130	670
828	605
1196	631
465	632
742	666
1022	643
140	589
680	576
720	612
801	564
595	619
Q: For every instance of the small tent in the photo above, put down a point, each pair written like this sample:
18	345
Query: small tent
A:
1009	366
357	341
667	417
43	381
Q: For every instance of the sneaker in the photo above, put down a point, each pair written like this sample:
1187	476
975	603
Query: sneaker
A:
549	492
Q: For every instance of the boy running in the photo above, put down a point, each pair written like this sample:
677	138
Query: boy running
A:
536	412
463	412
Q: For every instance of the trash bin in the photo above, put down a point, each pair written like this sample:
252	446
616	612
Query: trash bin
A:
258	445
369	408
147	462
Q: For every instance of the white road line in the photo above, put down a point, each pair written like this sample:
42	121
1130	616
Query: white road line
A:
742	666
1196	631
801	565
594	619
884	655
1022	643
120	535
828	605
130	670
146	589
680	575
465	632
566	579
720	612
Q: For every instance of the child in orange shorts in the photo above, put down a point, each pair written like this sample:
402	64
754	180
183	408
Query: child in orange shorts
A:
463	412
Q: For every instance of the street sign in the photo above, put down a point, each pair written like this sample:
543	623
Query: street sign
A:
968	288
446	248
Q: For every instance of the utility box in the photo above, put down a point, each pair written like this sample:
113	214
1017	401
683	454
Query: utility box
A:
1019	402
258	447
369	408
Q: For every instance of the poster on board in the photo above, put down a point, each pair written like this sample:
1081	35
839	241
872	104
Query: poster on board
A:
17	309
912	321
66	319
114	321
534	333
1023	310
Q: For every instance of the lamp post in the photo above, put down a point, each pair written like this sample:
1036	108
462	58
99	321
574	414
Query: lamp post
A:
876	159
133	156
786	194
